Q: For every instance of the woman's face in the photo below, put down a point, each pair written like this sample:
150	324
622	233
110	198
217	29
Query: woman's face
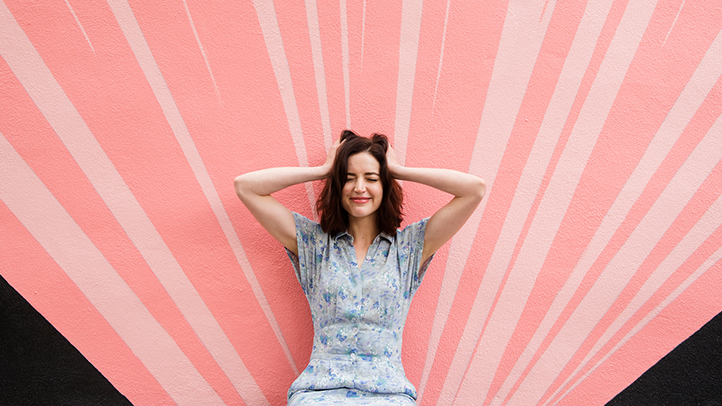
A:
363	191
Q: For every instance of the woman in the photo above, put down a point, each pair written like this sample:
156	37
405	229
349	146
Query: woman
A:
357	270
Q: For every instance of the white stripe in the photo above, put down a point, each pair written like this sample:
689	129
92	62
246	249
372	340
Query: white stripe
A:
691	98
411	11
274	44
681	6
80	25
222	349
58	110
554	204
200	46
519	46
624	264
638	246
51	225
441	53
363	33
318	70
345	61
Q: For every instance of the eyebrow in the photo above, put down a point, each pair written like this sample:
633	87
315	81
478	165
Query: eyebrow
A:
365	173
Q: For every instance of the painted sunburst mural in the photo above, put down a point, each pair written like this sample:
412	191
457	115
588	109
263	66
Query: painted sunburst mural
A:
596	126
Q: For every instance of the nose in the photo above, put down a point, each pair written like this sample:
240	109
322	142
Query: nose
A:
359	186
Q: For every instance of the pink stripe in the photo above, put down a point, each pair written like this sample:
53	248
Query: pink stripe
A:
345	62
80	25
44	217
408	49
200	46
681	113
555	202
318	69
441	56
373	85
274	44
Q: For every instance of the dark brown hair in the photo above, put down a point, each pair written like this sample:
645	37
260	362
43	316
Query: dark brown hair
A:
334	218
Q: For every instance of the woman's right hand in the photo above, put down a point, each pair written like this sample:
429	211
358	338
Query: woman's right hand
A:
330	158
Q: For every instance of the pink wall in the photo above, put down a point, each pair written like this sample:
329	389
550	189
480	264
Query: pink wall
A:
596	126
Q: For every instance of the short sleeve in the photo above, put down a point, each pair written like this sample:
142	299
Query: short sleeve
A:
308	235
410	246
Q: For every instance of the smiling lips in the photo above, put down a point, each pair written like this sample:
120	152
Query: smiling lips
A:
360	200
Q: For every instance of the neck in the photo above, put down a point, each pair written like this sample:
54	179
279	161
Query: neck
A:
363	230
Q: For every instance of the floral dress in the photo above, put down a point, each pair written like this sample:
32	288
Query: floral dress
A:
358	315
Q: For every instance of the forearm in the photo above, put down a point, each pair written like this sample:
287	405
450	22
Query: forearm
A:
266	181
457	183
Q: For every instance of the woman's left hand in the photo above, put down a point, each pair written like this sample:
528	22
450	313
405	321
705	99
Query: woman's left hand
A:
391	161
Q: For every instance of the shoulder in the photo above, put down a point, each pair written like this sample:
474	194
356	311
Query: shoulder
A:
307	229
412	232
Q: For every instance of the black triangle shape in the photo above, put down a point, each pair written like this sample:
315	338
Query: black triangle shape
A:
38	366
691	374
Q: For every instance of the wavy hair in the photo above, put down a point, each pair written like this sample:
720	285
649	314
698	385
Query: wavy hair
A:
334	218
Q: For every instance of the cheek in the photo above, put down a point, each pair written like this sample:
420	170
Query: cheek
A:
379	191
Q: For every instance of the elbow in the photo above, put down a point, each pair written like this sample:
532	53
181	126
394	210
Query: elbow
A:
479	189
239	184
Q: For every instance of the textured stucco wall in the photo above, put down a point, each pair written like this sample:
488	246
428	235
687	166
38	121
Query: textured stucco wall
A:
596	126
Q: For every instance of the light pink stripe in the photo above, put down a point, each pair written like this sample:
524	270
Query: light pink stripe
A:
319	71
441	53
712	260
411	11
200	46
363	32
678	117
625	263
55	106
521	40
46	219
80	25
554	204
345	61
674	22
274	44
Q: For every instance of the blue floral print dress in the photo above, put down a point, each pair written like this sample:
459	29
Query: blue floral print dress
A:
358	315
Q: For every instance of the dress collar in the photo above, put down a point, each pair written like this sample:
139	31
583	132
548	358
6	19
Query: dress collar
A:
345	233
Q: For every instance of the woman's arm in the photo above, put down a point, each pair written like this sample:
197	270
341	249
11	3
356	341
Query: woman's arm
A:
468	190
255	188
